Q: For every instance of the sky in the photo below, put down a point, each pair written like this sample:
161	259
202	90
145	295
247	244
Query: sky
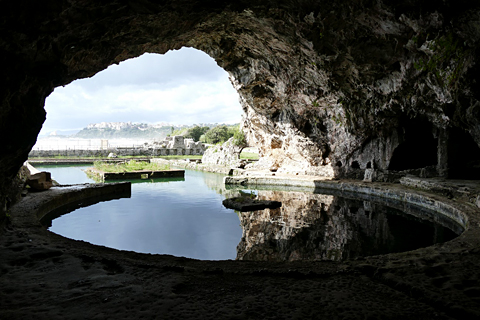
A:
184	86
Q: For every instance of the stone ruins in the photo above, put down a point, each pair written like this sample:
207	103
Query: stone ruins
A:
177	145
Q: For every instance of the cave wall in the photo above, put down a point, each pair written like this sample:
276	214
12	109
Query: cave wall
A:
327	87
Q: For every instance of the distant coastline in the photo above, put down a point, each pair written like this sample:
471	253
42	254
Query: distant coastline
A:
124	130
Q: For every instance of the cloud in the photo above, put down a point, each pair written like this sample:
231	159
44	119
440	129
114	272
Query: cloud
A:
181	87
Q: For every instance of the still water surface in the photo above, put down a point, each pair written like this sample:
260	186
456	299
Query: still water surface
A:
185	217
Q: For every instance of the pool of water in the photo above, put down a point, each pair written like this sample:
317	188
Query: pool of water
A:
182	217
185	217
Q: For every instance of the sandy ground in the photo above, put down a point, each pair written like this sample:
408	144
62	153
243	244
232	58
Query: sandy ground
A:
46	276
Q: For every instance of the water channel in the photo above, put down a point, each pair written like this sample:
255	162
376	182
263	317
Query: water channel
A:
185	217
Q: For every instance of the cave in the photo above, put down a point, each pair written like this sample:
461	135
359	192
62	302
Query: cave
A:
317	78
355	165
418	149
463	156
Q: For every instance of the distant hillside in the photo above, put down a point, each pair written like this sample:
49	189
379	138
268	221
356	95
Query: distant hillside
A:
125	130
129	130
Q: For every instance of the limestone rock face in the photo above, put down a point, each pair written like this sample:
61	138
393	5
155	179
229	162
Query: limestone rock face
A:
329	88
225	154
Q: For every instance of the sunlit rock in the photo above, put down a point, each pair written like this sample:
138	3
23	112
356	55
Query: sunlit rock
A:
227	153
40	181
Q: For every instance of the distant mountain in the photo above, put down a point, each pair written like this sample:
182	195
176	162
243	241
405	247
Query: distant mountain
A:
59	134
125	130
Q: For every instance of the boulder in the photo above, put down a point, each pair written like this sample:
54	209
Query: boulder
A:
40	181
245	203
227	154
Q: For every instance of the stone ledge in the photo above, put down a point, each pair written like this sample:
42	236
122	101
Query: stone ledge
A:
131	175
394	192
466	190
245	203
400	273
37	206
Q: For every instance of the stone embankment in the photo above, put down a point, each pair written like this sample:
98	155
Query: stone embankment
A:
140	174
411	197
198	165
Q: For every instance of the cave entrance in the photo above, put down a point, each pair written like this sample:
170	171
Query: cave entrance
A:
180	87
418	149
463	155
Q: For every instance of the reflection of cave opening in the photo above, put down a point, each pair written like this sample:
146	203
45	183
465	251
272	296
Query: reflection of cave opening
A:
463	155
419	148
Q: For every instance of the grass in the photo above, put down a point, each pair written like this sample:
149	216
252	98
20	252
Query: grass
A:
179	157
130	166
249	155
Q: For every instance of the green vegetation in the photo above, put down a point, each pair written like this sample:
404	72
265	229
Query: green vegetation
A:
218	134
221	134
129	166
239	137
182	157
249	155
447	60
194	133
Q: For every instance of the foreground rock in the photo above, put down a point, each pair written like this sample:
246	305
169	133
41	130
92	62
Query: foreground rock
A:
46	276
40	181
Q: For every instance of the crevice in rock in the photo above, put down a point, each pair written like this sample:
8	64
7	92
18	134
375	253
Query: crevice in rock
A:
463	155
419	148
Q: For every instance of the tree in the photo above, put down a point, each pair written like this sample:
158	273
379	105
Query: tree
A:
196	132
218	134
239	137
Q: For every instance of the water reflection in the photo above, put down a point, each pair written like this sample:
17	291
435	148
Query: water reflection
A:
325	227
184	216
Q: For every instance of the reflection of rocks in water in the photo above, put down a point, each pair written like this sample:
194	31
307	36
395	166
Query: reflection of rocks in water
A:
325	227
